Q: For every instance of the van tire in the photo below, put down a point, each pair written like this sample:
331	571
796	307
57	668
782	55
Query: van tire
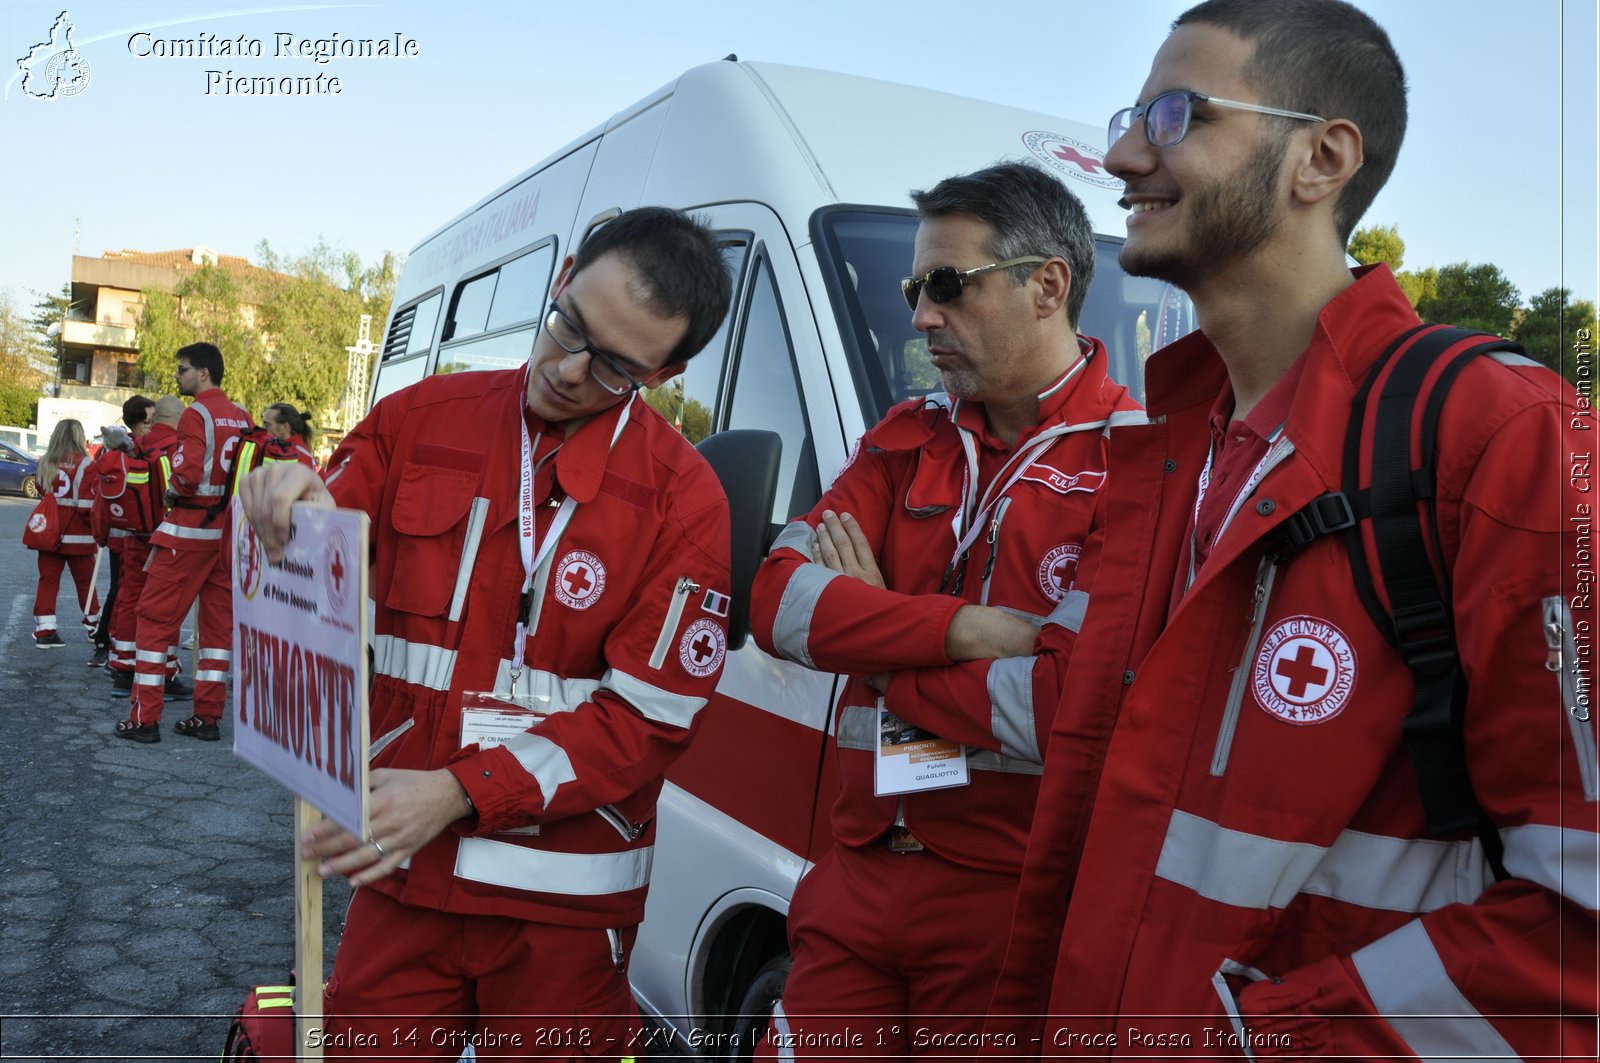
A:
30	486
755	1008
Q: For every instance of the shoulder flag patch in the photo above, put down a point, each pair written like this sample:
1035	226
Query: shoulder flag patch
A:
715	603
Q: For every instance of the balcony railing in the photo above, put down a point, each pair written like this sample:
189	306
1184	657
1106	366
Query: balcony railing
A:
97	334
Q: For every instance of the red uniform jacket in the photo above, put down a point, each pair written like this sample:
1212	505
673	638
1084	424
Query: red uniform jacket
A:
1257	860
73	489
207	433
624	643
908	485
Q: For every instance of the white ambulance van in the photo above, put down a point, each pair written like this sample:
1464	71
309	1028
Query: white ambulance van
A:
805	175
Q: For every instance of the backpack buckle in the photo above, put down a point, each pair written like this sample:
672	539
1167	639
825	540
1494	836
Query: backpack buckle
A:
1323	515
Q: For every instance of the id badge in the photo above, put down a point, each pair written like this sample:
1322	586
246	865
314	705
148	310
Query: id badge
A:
910	760
489	720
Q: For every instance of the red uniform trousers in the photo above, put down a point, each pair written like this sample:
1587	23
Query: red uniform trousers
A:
415	983
173	578
125	613
44	601
897	935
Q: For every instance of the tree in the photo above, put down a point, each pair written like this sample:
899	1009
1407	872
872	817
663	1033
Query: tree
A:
20	377
1549	329
1418	286
1378	243
1477	297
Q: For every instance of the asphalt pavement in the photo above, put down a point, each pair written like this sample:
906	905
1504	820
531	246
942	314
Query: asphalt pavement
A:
143	888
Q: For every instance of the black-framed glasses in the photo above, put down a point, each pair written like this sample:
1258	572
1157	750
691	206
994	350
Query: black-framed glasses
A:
944	283
603	367
1166	118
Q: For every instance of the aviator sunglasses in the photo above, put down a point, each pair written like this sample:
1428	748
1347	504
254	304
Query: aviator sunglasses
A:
944	283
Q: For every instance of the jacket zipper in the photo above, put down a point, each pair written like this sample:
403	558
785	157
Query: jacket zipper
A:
680	598
993	540
1265	574
630	832
1562	658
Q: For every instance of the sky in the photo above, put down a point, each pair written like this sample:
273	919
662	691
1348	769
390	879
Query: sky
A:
153	154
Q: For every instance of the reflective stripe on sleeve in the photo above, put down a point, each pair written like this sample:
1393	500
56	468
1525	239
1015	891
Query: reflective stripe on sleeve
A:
791	630
1413	993
1011	718
417	663
544	760
577	874
857	727
1561	859
653	703
1391	874
1069	612
551	692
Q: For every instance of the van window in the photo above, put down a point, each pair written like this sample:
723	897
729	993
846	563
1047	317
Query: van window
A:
405	348
865	253
689	400
497	315
766	395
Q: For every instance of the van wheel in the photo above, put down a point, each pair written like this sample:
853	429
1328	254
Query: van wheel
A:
765	990
30	486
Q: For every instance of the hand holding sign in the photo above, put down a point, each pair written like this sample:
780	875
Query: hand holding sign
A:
405	811
269	495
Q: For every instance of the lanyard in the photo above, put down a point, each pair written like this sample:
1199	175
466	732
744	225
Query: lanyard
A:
533	549
1268	462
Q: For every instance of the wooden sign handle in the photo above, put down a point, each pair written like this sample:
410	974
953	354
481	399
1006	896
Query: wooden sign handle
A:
307	937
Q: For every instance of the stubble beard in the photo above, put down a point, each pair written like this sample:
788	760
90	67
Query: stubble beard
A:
1229	218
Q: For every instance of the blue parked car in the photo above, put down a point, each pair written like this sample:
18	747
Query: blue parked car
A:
18	471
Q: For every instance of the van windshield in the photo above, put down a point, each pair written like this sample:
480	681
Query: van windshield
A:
866	251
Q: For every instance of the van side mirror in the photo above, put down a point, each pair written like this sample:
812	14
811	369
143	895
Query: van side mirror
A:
746	461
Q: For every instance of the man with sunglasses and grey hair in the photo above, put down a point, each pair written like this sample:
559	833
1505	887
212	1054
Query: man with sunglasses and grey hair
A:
926	573
541	536
1263	873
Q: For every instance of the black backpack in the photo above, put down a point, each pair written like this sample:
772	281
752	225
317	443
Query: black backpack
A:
1419	621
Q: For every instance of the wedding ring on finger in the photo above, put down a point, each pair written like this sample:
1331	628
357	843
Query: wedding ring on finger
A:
374	843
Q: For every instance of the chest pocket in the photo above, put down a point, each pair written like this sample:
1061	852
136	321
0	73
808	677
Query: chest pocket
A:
430	519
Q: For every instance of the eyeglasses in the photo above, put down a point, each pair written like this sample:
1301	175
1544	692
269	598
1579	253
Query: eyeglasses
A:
1166	118
182	369
603	367
944	283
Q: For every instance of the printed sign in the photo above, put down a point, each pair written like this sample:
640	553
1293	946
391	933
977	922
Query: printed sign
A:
300	659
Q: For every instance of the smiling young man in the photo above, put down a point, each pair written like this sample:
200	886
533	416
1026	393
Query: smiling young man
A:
926	573
541	533
1258	877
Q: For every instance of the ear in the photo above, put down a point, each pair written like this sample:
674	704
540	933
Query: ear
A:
562	278
664	374
1055	283
1330	160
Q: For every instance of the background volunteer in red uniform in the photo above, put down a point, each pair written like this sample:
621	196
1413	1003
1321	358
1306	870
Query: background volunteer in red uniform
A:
291	426
1258	865
157	446
541	531
187	558
111	466
982	495
62	471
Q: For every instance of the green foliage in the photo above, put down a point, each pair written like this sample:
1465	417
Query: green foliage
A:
282	328
1477	297
669	402
20	380
1550	327
1378	243
1424	284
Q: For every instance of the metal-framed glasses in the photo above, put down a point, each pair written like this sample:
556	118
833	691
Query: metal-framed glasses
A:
944	283
1166	118
603	367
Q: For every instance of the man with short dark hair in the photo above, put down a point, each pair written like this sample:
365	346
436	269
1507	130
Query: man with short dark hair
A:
186	560
927	571
1258	875
538	533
